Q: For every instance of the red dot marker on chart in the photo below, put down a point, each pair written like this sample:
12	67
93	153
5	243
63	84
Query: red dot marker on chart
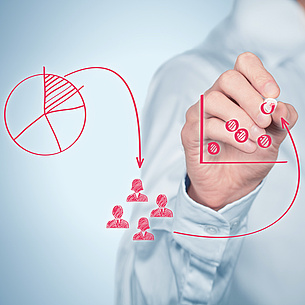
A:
213	148
268	106
241	135
264	141
232	125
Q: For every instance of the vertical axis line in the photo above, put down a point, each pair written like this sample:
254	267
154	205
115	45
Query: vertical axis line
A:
201	127
44	88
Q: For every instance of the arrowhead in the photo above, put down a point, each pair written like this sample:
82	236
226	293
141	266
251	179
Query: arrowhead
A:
140	161
284	123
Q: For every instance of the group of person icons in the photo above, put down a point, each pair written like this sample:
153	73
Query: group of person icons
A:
143	222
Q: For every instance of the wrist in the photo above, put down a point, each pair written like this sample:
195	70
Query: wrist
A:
217	198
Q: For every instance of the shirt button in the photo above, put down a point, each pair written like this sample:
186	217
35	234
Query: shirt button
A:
212	230
234	224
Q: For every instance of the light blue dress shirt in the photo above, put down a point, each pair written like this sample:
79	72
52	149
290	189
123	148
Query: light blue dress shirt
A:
266	268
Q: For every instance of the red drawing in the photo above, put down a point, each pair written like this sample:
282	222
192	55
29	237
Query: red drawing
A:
268	106
264	141
213	148
56	91
62	105
232	125
241	135
143	225
202	143
137	196
139	159
284	126
117	222
161	211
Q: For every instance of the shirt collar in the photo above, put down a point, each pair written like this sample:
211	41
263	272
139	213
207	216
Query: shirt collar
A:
272	29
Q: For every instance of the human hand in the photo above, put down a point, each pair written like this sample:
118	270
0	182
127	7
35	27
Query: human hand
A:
237	94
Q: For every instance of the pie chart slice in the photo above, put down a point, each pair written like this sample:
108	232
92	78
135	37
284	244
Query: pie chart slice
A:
45	114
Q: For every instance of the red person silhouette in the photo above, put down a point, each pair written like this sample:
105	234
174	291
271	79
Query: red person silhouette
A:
161	211
143	225
117	222
137	196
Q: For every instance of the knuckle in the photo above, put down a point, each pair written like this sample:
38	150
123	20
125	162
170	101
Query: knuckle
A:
192	113
226	78
212	97
293	114
184	135
244	58
261	79
187	133
296	115
188	115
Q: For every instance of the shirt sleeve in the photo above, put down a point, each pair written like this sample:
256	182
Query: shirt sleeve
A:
210	259
176	268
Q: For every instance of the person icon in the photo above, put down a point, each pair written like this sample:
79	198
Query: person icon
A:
161	211
137	196
143	225
117	222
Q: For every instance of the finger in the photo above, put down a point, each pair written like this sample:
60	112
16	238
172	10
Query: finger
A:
216	104
253	69
234	85
215	130
276	130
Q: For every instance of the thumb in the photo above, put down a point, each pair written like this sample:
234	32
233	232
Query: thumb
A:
284	116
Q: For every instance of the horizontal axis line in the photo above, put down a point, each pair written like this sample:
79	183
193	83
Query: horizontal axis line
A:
243	162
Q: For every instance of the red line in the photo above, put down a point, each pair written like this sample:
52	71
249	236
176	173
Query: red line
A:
245	162
47	82
28	126
54	80
201	127
61	97
57	88
44	84
65	109
53	133
130	92
12	137
59	93
264	141
61	80
203	236
221	162
48	76
77	90
273	223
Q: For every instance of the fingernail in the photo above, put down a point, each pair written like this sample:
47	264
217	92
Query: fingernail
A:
271	89
256	132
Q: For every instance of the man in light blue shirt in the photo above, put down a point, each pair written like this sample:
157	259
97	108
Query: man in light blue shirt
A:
221	200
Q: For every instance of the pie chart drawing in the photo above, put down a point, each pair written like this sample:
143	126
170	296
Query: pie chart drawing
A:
45	114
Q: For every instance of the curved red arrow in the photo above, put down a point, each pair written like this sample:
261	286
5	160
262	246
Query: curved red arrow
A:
139	159
284	126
